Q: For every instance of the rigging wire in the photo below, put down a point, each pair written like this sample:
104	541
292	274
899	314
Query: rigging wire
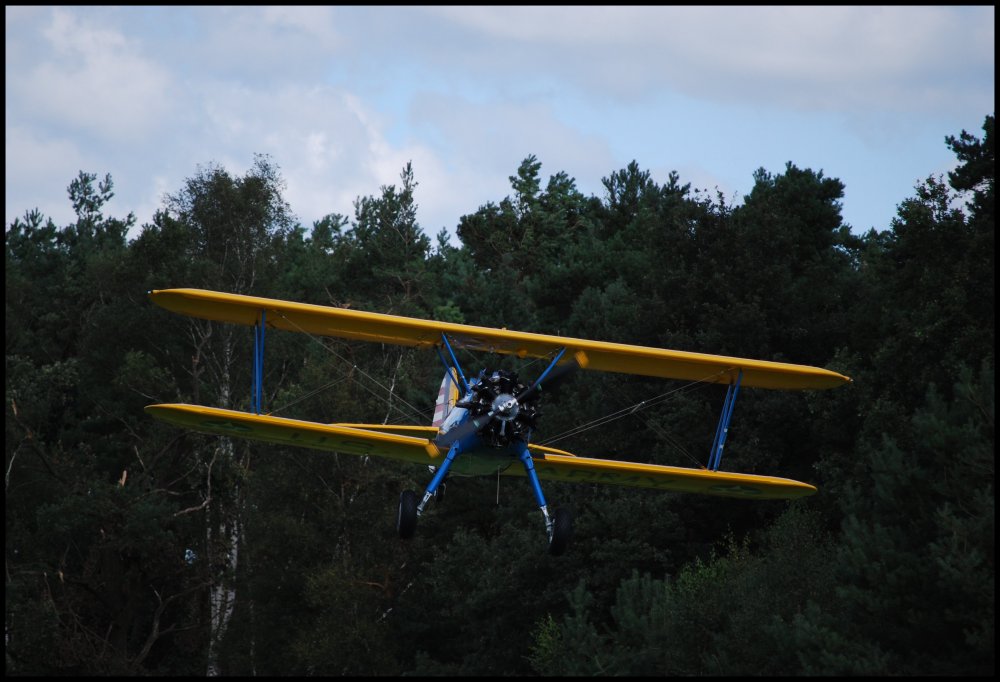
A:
416	416
635	409
669	439
308	395
659	430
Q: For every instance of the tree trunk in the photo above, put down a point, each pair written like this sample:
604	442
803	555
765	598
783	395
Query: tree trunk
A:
224	536
223	527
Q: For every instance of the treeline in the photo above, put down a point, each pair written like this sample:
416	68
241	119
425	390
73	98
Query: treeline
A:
136	548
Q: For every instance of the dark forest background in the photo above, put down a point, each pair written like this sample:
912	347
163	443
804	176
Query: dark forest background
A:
135	548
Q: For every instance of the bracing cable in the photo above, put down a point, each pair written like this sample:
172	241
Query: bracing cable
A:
635	409
415	416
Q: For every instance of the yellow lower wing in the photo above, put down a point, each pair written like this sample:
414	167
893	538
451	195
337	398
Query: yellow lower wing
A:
415	444
676	479
332	437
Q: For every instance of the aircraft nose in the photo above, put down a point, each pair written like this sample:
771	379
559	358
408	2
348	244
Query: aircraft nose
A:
505	407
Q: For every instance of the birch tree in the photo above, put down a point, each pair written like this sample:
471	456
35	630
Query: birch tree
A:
236	226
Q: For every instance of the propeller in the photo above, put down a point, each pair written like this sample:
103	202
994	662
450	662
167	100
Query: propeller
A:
506	407
556	377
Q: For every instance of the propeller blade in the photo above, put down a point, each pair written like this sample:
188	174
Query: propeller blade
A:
557	376
464	429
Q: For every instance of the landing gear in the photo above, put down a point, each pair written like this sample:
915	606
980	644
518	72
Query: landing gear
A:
558	526
406	521
409	509
562	531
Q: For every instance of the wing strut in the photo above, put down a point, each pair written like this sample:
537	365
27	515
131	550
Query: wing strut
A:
458	368
258	364
722	430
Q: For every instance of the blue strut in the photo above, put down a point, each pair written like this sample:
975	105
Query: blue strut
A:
529	467
258	365
551	365
442	471
458	368
722	430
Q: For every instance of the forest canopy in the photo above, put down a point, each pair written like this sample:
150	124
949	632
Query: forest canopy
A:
135	548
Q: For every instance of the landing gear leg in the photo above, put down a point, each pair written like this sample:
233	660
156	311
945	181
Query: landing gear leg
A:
409	510
559	528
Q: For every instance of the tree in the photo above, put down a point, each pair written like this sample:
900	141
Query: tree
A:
978	170
385	250
230	232
135	548
914	563
728	615
914	570
94	572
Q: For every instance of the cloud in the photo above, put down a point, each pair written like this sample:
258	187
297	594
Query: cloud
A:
333	147
342	97
32	163
264	44
485	141
91	79
812	58
329	145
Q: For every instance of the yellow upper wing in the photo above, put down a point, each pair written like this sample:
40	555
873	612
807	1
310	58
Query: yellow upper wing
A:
415	444
408	331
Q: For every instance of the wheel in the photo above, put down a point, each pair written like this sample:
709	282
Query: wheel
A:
562	531
406	521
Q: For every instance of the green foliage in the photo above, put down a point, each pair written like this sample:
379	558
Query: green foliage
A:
123	534
978	170
915	567
385	253
726	616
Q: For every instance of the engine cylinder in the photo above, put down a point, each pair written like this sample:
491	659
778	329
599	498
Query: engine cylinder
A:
512	420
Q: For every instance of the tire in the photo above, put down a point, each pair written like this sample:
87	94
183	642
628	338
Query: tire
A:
562	531
406	520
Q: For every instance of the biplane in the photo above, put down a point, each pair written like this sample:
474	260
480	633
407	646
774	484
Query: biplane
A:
483	424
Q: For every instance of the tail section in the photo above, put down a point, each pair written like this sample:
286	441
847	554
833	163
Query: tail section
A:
447	397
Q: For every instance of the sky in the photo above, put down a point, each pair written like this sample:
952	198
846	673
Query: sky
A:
341	98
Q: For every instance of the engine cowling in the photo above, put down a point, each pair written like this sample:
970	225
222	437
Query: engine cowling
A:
512	420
